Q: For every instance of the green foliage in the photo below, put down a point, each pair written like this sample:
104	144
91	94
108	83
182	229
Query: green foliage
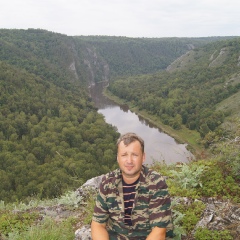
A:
134	56
189	215
206	234
228	149
47	229
188	176
177	219
71	199
89	202
187	96
208	178
51	137
16	221
217	183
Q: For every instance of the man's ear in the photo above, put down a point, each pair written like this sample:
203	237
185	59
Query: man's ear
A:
144	157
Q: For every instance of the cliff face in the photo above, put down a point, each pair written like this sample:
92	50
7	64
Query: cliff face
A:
97	67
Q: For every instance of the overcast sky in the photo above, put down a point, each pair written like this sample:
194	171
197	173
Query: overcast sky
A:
131	18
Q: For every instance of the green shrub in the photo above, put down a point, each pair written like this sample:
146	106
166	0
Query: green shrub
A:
90	203
217	184
70	199
228	149
206	234
16	221
175	190
189	175
46	230
177	218
190	215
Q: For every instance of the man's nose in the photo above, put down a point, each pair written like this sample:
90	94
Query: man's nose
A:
129	158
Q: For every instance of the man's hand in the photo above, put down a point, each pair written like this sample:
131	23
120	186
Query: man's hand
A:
157	234
99	231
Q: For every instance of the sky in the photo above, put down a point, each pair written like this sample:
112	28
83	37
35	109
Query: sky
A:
130	18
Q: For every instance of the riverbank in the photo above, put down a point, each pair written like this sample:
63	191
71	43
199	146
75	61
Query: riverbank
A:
183	136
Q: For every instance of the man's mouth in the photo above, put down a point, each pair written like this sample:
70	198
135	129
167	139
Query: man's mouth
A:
129	167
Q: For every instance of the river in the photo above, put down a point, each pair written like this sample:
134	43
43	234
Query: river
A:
158	145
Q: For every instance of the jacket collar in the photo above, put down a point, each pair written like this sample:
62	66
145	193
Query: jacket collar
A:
118	176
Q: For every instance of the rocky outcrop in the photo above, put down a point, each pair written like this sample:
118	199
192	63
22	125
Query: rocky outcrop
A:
72	67
218	214
221	215
179	62
91	184
97	67
219	59
83	234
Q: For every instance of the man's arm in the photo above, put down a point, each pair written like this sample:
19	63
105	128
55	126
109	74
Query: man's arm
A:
160	210
157	234
98	231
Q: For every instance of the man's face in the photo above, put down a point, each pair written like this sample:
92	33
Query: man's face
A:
130	160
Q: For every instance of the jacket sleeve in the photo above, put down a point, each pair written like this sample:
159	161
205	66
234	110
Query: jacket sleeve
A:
160	214
101	213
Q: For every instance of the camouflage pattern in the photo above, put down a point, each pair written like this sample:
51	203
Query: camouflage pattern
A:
151	208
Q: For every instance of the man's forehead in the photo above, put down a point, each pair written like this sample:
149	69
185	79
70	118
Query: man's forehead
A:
135	143
134	146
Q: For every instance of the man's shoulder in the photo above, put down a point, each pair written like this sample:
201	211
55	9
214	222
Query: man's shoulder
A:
153	179
111	177
151	174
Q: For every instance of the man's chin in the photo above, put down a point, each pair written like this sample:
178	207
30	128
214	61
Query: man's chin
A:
130	173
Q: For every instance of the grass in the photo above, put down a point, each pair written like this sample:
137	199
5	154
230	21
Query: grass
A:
70	199
231	104
46	230
23	220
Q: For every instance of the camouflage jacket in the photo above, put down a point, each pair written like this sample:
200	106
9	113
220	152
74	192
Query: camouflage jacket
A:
151	208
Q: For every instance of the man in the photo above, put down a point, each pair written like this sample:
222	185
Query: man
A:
133	201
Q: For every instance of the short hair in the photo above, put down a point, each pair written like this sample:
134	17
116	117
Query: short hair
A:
130	137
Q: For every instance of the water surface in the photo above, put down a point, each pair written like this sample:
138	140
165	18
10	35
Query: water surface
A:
158	145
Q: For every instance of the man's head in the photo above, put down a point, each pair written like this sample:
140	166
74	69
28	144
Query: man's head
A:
128	138
130	156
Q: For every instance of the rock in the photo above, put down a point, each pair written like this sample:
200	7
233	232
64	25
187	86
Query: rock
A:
221	215
207	217
93	182
91	185
83	233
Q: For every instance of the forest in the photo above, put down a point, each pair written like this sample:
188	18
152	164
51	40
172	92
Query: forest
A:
133	56
189	91
52	139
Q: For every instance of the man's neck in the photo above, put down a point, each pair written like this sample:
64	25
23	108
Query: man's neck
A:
130	180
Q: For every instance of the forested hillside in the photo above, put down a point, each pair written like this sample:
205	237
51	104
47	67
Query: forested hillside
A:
51	137
133	56
190	92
